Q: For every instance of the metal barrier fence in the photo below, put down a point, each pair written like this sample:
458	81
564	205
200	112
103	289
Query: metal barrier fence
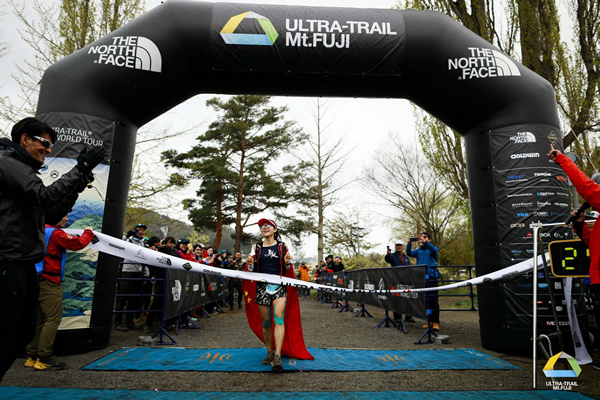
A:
421	305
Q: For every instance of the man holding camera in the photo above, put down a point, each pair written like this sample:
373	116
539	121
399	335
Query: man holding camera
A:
398	259
427	254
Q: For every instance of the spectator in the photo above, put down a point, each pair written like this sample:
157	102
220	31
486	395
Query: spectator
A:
225	259
304	272
337	264
329	261
220	258
132	284
168	248
398	259
321	268
209	256
427	254
182	248
50	307
152	243
26	204
198	251
235	284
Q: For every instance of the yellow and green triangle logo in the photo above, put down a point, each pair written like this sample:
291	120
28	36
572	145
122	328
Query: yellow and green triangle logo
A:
550	372
267	38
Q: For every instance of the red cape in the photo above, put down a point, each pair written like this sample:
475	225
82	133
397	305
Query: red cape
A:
293	341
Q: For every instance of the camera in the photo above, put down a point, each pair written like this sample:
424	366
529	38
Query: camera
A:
414	239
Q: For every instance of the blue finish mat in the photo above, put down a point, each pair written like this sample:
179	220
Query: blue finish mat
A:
249	360
18	393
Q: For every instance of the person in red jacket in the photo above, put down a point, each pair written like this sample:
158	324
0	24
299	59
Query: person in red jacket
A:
183	249
40	350
589	189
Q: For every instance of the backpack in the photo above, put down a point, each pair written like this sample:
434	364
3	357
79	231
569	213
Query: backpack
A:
39	267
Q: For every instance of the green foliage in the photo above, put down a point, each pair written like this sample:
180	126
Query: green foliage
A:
232	158
341	235
361	261
571	68
459	252
53	33
155	221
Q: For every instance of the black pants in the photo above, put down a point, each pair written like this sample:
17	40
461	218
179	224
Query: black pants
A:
237	285
432	301
595	297
19	293
132	302
157	302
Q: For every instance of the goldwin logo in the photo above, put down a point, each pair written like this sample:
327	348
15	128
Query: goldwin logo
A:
483	63
524	155
135	52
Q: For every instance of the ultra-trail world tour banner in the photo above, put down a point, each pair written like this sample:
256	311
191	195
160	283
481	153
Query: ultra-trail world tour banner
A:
75	132
506	113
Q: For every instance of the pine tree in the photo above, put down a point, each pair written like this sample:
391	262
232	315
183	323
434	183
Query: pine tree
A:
233	158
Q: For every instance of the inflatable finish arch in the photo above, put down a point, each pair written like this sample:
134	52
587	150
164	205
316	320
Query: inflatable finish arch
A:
506	112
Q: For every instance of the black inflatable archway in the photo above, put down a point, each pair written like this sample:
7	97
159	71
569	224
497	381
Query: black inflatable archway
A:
506	113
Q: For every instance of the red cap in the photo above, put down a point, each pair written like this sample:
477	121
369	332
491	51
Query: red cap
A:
263	221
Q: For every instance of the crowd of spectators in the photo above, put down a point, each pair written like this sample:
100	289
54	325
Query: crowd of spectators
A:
150	306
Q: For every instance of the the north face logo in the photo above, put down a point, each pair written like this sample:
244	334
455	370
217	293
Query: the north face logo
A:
483	63
135	52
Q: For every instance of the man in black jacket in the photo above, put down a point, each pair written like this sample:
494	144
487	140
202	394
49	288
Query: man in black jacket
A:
26	204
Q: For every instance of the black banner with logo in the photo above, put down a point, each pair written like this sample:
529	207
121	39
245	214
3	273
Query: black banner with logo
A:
408	277
188	290
528	188
306	39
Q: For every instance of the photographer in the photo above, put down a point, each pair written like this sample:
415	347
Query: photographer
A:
398	259
427	254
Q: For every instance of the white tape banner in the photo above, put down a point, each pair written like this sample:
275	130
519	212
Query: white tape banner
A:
119	248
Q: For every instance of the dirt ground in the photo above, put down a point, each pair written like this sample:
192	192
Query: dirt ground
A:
323	327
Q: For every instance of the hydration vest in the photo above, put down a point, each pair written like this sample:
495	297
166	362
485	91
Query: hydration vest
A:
39	267
282	250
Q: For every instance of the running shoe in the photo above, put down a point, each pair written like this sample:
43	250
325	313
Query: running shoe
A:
49	363
30	362
276	364
269	358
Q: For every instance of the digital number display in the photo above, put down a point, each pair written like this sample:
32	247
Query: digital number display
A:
569	258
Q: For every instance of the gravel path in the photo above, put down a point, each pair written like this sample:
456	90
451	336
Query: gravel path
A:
323	327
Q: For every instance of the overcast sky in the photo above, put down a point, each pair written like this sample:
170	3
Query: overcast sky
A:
364	123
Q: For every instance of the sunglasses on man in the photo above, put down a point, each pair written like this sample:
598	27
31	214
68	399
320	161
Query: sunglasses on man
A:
45	142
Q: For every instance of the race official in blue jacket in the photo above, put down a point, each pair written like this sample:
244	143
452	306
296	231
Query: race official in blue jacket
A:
427	254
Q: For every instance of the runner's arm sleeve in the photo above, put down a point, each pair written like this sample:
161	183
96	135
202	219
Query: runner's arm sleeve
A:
71	242
587	188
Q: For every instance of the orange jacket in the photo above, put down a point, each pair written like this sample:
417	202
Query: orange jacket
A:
304	273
